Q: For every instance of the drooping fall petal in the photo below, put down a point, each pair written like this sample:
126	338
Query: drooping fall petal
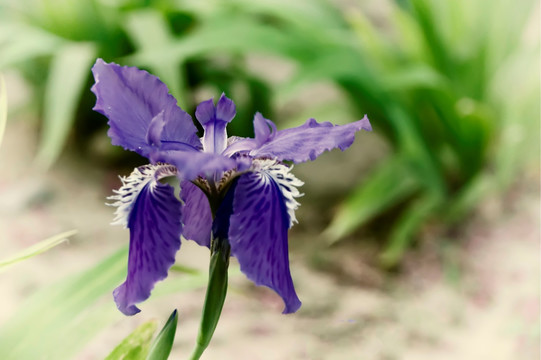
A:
152	213
258	232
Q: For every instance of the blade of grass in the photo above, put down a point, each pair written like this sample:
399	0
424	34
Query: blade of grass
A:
378	193
406	227
136	345
36	249
468	197
231	35
149	31
3	108
68	74
23	43
62	318
43	319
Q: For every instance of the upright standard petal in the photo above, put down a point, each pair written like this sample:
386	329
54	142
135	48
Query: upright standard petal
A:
196	215
309	140
131	98
264	131
258	233
152	213
214	120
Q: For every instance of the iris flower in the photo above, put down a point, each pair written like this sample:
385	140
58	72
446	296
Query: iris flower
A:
238	190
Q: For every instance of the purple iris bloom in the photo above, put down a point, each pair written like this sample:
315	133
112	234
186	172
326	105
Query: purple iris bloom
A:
236	188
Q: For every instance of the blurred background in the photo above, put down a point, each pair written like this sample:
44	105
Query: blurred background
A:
421	241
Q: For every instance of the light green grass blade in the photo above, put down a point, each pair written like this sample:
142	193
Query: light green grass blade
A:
3	107
36	249
136	345
379	192
148	29
68	74
21	42
407	226
59	320
51	323
234	35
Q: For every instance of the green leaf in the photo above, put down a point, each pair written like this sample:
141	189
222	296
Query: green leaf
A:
60	319
149	31
36	249
136	345
232	35
3	107
408	78
468	197
185	269
407	226
215	297
371	197
162	345
22	43
68	74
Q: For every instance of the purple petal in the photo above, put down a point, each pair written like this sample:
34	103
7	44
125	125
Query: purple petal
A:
196	216
155	130
205	112
258	235
131	98
152	213
225	109
214	120
310	140
242	145
191	164
262	129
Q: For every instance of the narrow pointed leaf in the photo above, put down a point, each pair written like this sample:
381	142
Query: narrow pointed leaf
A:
162	345
379	192
23	42
75	313
406	228
68	74
149	30
214	299
71	319
37	249
3	107
136	345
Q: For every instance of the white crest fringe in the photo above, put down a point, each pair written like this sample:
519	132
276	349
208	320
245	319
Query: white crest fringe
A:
126	196
281	174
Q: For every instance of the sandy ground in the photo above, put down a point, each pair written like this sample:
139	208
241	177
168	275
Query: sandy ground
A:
474	298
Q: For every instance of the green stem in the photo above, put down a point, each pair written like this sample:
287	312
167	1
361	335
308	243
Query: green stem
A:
215	297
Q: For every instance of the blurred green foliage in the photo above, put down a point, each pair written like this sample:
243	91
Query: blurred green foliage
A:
57	321
455	90
53	43
451	86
